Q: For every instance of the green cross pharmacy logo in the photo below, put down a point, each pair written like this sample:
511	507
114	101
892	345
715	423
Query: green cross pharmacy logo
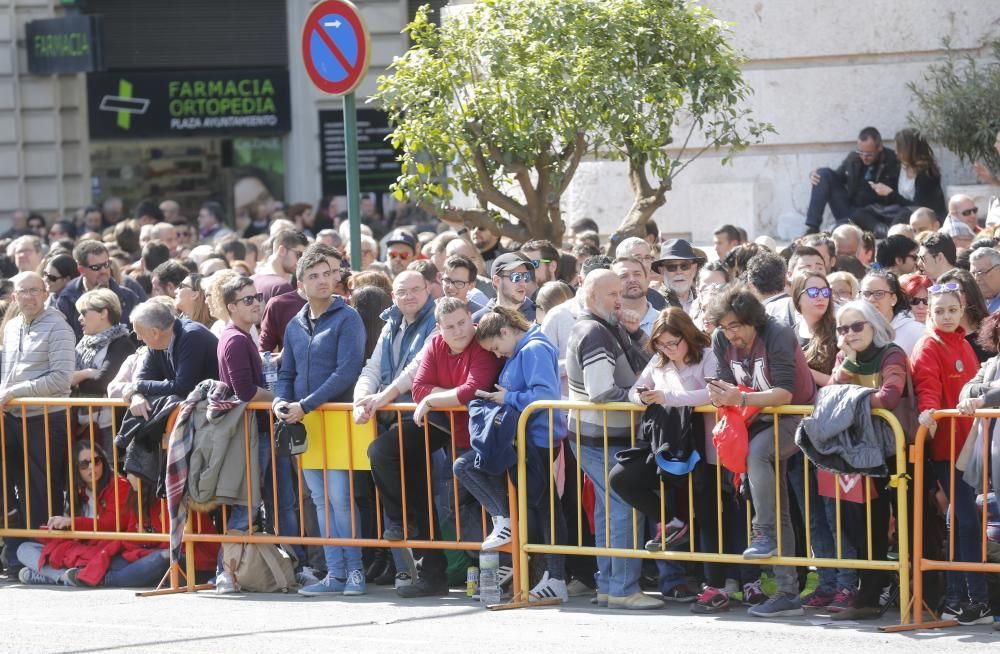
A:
124	105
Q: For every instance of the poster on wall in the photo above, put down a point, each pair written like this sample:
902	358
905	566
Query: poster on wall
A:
205	103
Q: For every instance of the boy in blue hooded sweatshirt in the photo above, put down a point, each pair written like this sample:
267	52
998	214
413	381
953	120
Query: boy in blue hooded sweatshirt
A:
531	374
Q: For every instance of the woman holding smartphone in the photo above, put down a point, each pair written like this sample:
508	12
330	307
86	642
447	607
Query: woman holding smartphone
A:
677	376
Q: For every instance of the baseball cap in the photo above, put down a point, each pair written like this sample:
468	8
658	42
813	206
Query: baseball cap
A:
510	261
403	237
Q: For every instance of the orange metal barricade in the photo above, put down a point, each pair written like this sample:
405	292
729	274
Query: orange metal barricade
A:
921	563
397	413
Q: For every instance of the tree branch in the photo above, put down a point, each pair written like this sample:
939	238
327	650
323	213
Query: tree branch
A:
489	193
473	218
578	149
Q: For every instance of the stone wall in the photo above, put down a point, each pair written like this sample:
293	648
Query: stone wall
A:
44	164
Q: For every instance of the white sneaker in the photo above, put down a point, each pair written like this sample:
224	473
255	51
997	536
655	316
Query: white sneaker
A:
548	589
225	584
505	575
500	535
306	577
402	579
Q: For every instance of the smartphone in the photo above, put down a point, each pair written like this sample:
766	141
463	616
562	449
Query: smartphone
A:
710	380
642	389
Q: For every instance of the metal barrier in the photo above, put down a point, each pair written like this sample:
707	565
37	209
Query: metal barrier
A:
53	506
897	480
921	563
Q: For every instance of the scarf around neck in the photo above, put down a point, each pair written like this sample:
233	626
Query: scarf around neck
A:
90	346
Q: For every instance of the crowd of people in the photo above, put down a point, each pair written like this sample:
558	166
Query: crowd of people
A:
895	309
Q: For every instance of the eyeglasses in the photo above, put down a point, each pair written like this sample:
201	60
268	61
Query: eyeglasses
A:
538	262
98	267
983	273
855	327
250	299
457	283
674	267
668	345
30	292
408	292
878	295
917	301
950	287
518	277
399	255
186	285
817	291
970	212
866	155
55	278
84	464
731	327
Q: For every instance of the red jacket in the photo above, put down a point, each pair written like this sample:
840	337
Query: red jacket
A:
942	363
471	370
94	556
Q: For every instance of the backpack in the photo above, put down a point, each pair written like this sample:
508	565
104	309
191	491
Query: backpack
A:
259	568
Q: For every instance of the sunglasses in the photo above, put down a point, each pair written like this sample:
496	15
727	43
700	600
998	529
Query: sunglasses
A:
855	327
53	278
399	255
878	295
917	301
816	291
518	277
970	212
98	267
250	299
538	262
84	464
674	267
950	287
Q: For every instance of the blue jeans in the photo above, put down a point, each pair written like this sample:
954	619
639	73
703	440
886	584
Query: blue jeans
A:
822	528
830	192
963	586
616	576
340	560
147	571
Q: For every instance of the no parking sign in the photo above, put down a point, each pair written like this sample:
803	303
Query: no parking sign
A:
336	46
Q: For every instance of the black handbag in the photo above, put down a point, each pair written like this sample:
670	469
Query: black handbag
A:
290	439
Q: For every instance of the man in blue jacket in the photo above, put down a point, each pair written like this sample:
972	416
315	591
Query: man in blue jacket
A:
321	359
94	263
182	353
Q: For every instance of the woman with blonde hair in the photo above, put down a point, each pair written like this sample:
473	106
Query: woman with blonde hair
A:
191	301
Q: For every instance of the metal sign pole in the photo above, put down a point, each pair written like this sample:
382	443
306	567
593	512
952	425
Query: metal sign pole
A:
353	183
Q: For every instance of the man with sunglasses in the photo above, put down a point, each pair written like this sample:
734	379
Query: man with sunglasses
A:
512	273
898	255
963	209
286	248
401	250
94	263
545	259
850	188
679	265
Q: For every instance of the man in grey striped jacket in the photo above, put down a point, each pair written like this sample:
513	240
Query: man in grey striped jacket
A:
38	359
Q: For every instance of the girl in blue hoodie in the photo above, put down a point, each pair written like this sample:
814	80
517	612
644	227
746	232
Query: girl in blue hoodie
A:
531	374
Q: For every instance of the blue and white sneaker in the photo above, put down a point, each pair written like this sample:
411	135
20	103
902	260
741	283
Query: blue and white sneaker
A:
355	583
329	586
782	605
29	577
762	546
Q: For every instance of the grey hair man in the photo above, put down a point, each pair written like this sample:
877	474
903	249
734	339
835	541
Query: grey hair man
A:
984	264
38	357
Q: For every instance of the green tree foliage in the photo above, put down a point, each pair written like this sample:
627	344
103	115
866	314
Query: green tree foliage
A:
505	98
960	105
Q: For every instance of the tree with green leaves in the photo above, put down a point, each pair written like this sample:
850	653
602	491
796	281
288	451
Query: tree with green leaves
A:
959	102
504	99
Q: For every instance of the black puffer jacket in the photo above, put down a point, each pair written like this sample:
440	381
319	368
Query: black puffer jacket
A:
851	174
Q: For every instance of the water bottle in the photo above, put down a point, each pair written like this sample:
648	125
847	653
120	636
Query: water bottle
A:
270	372
489	583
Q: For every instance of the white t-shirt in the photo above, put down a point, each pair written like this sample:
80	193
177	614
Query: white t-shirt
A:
908	331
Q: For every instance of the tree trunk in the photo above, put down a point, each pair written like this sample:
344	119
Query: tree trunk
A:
638	215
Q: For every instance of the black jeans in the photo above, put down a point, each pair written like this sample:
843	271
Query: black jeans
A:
385	456
854	522
28	489
831	192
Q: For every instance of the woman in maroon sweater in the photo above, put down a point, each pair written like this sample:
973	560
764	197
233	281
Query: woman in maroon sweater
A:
943	362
